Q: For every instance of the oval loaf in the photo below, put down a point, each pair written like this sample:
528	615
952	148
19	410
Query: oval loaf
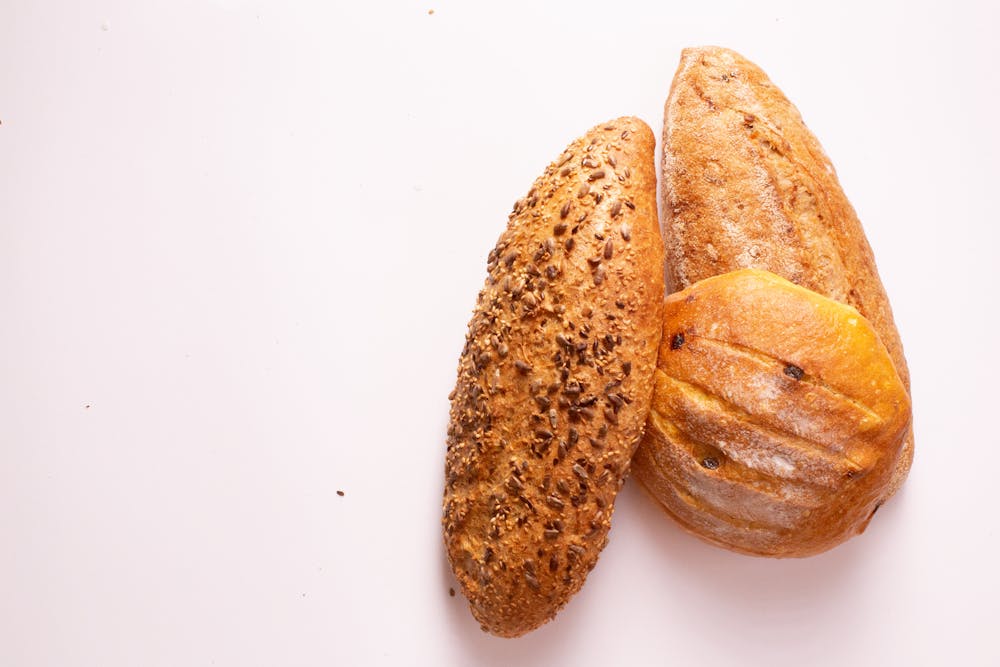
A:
555	380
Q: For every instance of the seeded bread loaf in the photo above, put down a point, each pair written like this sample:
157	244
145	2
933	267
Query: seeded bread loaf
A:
747	185
555	379
777	416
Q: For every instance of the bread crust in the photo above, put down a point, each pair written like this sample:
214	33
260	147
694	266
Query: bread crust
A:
777	416
747	185
555	380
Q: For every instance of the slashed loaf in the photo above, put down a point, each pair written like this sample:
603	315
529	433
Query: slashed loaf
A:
777	418
555	379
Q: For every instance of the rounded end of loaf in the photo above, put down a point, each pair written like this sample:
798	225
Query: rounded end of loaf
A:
777	417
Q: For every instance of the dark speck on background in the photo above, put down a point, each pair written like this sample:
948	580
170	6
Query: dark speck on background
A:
340	493
451	592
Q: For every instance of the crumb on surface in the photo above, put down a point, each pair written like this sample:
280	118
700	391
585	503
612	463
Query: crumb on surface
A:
430	12
451	592
340	493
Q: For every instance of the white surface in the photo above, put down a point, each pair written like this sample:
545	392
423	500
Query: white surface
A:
239	245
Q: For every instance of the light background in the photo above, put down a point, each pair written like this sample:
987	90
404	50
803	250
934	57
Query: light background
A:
239	246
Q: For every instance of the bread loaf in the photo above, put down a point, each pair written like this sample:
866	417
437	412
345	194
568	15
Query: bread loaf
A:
555	380
777	416
747	185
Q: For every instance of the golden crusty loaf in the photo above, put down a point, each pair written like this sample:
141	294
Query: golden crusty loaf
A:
555	380
747	185
777	416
